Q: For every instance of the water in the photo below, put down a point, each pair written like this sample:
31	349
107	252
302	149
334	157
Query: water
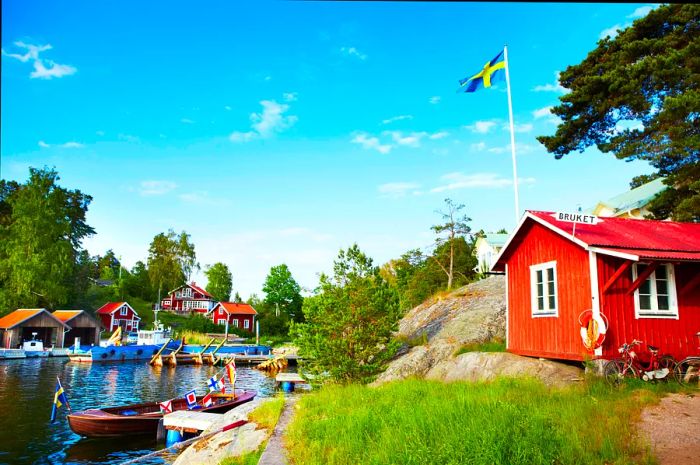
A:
26	396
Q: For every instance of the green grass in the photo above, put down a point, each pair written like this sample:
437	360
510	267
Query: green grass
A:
505	422
419	340
494	345
250	458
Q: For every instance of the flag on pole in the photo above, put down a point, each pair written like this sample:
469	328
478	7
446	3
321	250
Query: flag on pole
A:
166	407
191	399
59	399
207	400
231	372
493	71
216	384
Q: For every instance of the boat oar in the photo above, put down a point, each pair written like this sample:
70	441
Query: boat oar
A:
183	444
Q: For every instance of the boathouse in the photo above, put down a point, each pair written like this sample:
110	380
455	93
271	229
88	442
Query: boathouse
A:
116	314
238	315
634	279
188	298
82	324
19	326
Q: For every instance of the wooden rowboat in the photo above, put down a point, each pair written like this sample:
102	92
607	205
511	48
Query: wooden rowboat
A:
143	418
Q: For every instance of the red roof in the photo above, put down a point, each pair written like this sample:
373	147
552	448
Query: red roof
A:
20	316
196	288
110	307
66	315
233	308
630	238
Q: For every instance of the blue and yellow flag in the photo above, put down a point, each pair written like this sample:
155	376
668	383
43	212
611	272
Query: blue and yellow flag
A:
59	399
493	71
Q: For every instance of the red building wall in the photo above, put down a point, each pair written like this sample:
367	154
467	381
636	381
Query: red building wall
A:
550	337
673	336
239	319
107	320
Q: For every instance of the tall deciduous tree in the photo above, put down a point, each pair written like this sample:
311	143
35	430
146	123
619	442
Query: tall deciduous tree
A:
219	281
453	228
171	260
283	293
349	322
638	96
42	226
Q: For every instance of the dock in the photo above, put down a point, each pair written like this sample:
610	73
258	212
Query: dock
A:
190	421
288	380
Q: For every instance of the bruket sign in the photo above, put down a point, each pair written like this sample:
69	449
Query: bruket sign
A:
576	218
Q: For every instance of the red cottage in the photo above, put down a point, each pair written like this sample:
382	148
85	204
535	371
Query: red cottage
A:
641	276
238	315
188	298
115	314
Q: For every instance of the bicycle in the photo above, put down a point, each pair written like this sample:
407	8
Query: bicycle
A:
630	366
687	371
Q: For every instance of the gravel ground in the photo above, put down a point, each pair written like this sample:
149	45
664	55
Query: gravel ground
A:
672	427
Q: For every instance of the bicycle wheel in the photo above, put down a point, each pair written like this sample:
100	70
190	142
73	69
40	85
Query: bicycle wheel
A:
687	371
668	362
616	370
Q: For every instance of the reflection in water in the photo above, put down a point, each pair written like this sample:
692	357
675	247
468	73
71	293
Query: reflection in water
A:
26	395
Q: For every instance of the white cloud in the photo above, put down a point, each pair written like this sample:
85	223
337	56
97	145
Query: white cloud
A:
478	147
267	78
519	149
156	187
186	121
66	145
43	68
525	127
267	123
439	135
100	133
290	96
640	12
352	51
481	127
43	144
456	181
128	138
555	87
542	112
411	139
610	32
227	108
371	143
396	118
435	100
397	189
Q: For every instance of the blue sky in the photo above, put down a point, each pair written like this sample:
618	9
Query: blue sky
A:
279	132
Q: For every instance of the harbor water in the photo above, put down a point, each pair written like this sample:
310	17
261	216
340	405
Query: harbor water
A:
27	390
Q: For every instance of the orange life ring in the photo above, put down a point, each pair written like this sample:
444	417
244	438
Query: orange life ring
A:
593	329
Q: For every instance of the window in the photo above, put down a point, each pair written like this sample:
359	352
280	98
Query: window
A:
221	321
235	322
124	311
656	296
543	289
246	324
187	292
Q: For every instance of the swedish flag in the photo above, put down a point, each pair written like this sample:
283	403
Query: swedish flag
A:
59	399
492	71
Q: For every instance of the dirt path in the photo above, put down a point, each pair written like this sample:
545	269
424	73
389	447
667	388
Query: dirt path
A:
274	453
672	427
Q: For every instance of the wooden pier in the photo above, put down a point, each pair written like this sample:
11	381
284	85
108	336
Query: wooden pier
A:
190	421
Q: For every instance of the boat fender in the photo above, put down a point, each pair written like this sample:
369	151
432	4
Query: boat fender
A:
593	329
139	352
112	352
103	355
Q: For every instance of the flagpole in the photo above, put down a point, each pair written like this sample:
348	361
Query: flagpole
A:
512	137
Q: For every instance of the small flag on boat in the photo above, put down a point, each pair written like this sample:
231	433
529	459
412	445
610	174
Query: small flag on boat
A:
216	384
59	399
231	371
191	399
166	407
207	400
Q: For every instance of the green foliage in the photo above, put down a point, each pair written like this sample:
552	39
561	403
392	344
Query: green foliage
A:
171	260
649	74
493	345
506	422
42	226
219	281
283	293
349	322
454	227
251	458
268	413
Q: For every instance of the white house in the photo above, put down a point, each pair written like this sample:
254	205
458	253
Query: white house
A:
486	250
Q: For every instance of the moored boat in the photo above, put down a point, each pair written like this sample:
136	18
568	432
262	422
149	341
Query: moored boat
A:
143	418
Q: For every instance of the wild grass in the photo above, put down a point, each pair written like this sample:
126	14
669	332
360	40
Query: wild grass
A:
505	422
493	345
192	337
251	458
419	340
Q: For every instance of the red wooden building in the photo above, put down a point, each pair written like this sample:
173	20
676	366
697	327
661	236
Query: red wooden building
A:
115	314
239	315
642	276
188	298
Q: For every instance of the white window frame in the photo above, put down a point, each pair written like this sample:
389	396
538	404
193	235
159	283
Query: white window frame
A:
123	311
235	322
246	324
672	312
547	312
221	321
187	292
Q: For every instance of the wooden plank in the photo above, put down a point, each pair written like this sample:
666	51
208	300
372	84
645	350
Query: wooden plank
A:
690	285
190	419
642	277
624	267
289	378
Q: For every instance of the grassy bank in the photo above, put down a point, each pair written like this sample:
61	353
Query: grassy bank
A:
506	422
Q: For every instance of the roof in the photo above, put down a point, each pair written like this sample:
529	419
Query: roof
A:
496	239
23	314
634	198
194	286
632	239
66	315
233	308
110	307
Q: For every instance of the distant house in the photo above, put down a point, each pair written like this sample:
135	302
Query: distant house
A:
487	248
115	314
188	298
239	315
82	324
641	279
631	204
19	325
